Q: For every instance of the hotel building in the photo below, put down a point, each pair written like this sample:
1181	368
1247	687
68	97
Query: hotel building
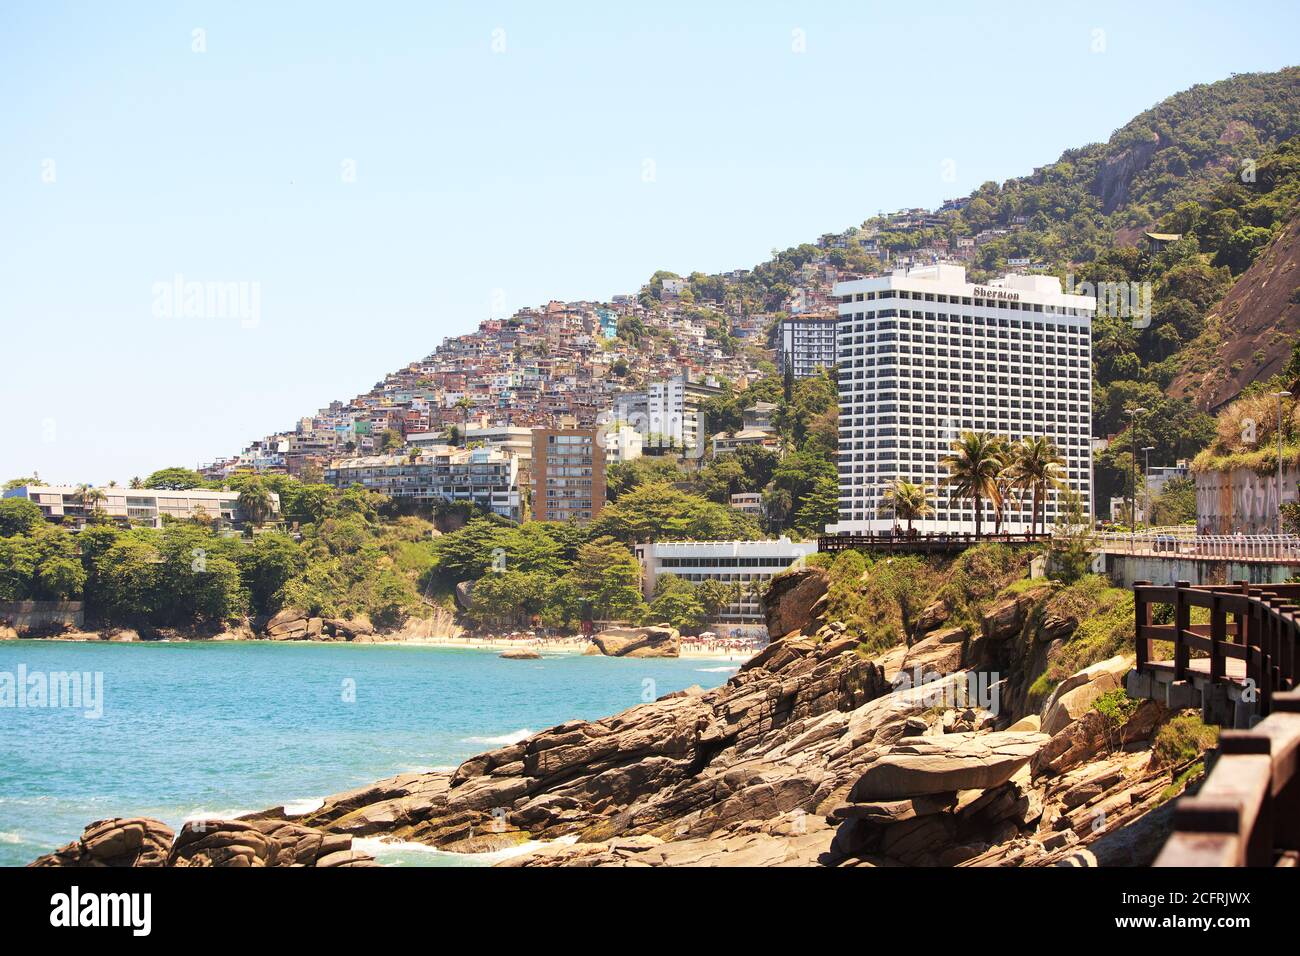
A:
807	344
925	355
568	474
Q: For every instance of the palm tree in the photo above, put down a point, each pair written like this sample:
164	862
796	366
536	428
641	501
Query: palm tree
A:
464	404
255	502
910	501
1034	466
973	467
90	500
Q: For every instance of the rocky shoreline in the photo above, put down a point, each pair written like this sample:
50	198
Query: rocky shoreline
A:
812	754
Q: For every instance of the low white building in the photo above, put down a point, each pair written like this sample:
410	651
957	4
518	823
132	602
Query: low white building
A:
743	564
143	507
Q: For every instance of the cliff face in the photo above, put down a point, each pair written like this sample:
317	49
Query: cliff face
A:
812	754
1254	327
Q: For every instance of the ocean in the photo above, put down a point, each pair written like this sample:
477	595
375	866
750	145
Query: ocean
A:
188	730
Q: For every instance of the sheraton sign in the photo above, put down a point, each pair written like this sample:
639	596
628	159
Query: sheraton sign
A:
982	293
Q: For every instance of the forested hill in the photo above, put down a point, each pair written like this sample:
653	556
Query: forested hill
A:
1218	164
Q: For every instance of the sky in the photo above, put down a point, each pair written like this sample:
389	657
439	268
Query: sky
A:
371	178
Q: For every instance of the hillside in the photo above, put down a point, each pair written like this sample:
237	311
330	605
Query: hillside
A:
1251	332
1217	165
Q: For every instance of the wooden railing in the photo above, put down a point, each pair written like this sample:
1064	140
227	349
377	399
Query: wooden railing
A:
1247	812
1257	626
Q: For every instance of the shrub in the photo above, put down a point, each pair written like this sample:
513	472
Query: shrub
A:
1181	739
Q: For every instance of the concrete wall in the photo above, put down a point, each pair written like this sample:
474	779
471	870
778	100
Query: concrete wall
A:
21	615
1124	569
1242	500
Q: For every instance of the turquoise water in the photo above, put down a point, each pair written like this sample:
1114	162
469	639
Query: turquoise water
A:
219	729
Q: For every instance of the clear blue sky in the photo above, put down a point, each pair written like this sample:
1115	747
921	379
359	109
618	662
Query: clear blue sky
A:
516	173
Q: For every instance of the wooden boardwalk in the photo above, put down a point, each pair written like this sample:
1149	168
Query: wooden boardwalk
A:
1240	667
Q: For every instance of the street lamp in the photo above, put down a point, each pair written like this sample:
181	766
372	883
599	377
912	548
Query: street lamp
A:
1133	414
1146	482
1279	396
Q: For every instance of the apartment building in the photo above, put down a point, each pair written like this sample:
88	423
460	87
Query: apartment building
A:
744	565
568	474
925	355
488	477
668	412
142	507
807	343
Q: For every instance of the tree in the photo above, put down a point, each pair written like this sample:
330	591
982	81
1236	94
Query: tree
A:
909	500
13	483
973	469
677	604
175	479
390	439
607	581
1033	467
255	502
91	500
18	516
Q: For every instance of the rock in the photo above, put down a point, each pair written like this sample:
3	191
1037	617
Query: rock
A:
7	633
1074	695
924	765
465	595
520	654
290	624
651	641
1030	723
261	843
350	628
938	654
791	598
135	841
933	616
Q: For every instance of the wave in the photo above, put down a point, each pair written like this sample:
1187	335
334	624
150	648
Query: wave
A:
11	838
380	848
297	808
504	740
716	670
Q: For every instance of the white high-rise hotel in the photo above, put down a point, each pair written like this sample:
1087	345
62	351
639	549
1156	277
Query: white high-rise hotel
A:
924	356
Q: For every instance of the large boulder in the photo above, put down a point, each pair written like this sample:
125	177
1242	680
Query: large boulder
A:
791	599
939	654
656	640
1073	697
349	628
923	765
133	841
261	843
465	595
290	624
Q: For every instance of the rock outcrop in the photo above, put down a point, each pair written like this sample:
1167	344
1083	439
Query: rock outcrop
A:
652	641
795	600
247	842
813	753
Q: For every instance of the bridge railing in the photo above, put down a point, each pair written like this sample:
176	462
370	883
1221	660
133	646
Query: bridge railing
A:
1247	811
1258	547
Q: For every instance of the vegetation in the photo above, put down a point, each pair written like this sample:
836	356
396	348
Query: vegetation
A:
1181	739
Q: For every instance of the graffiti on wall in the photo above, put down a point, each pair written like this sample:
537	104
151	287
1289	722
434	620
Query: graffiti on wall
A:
1241	501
